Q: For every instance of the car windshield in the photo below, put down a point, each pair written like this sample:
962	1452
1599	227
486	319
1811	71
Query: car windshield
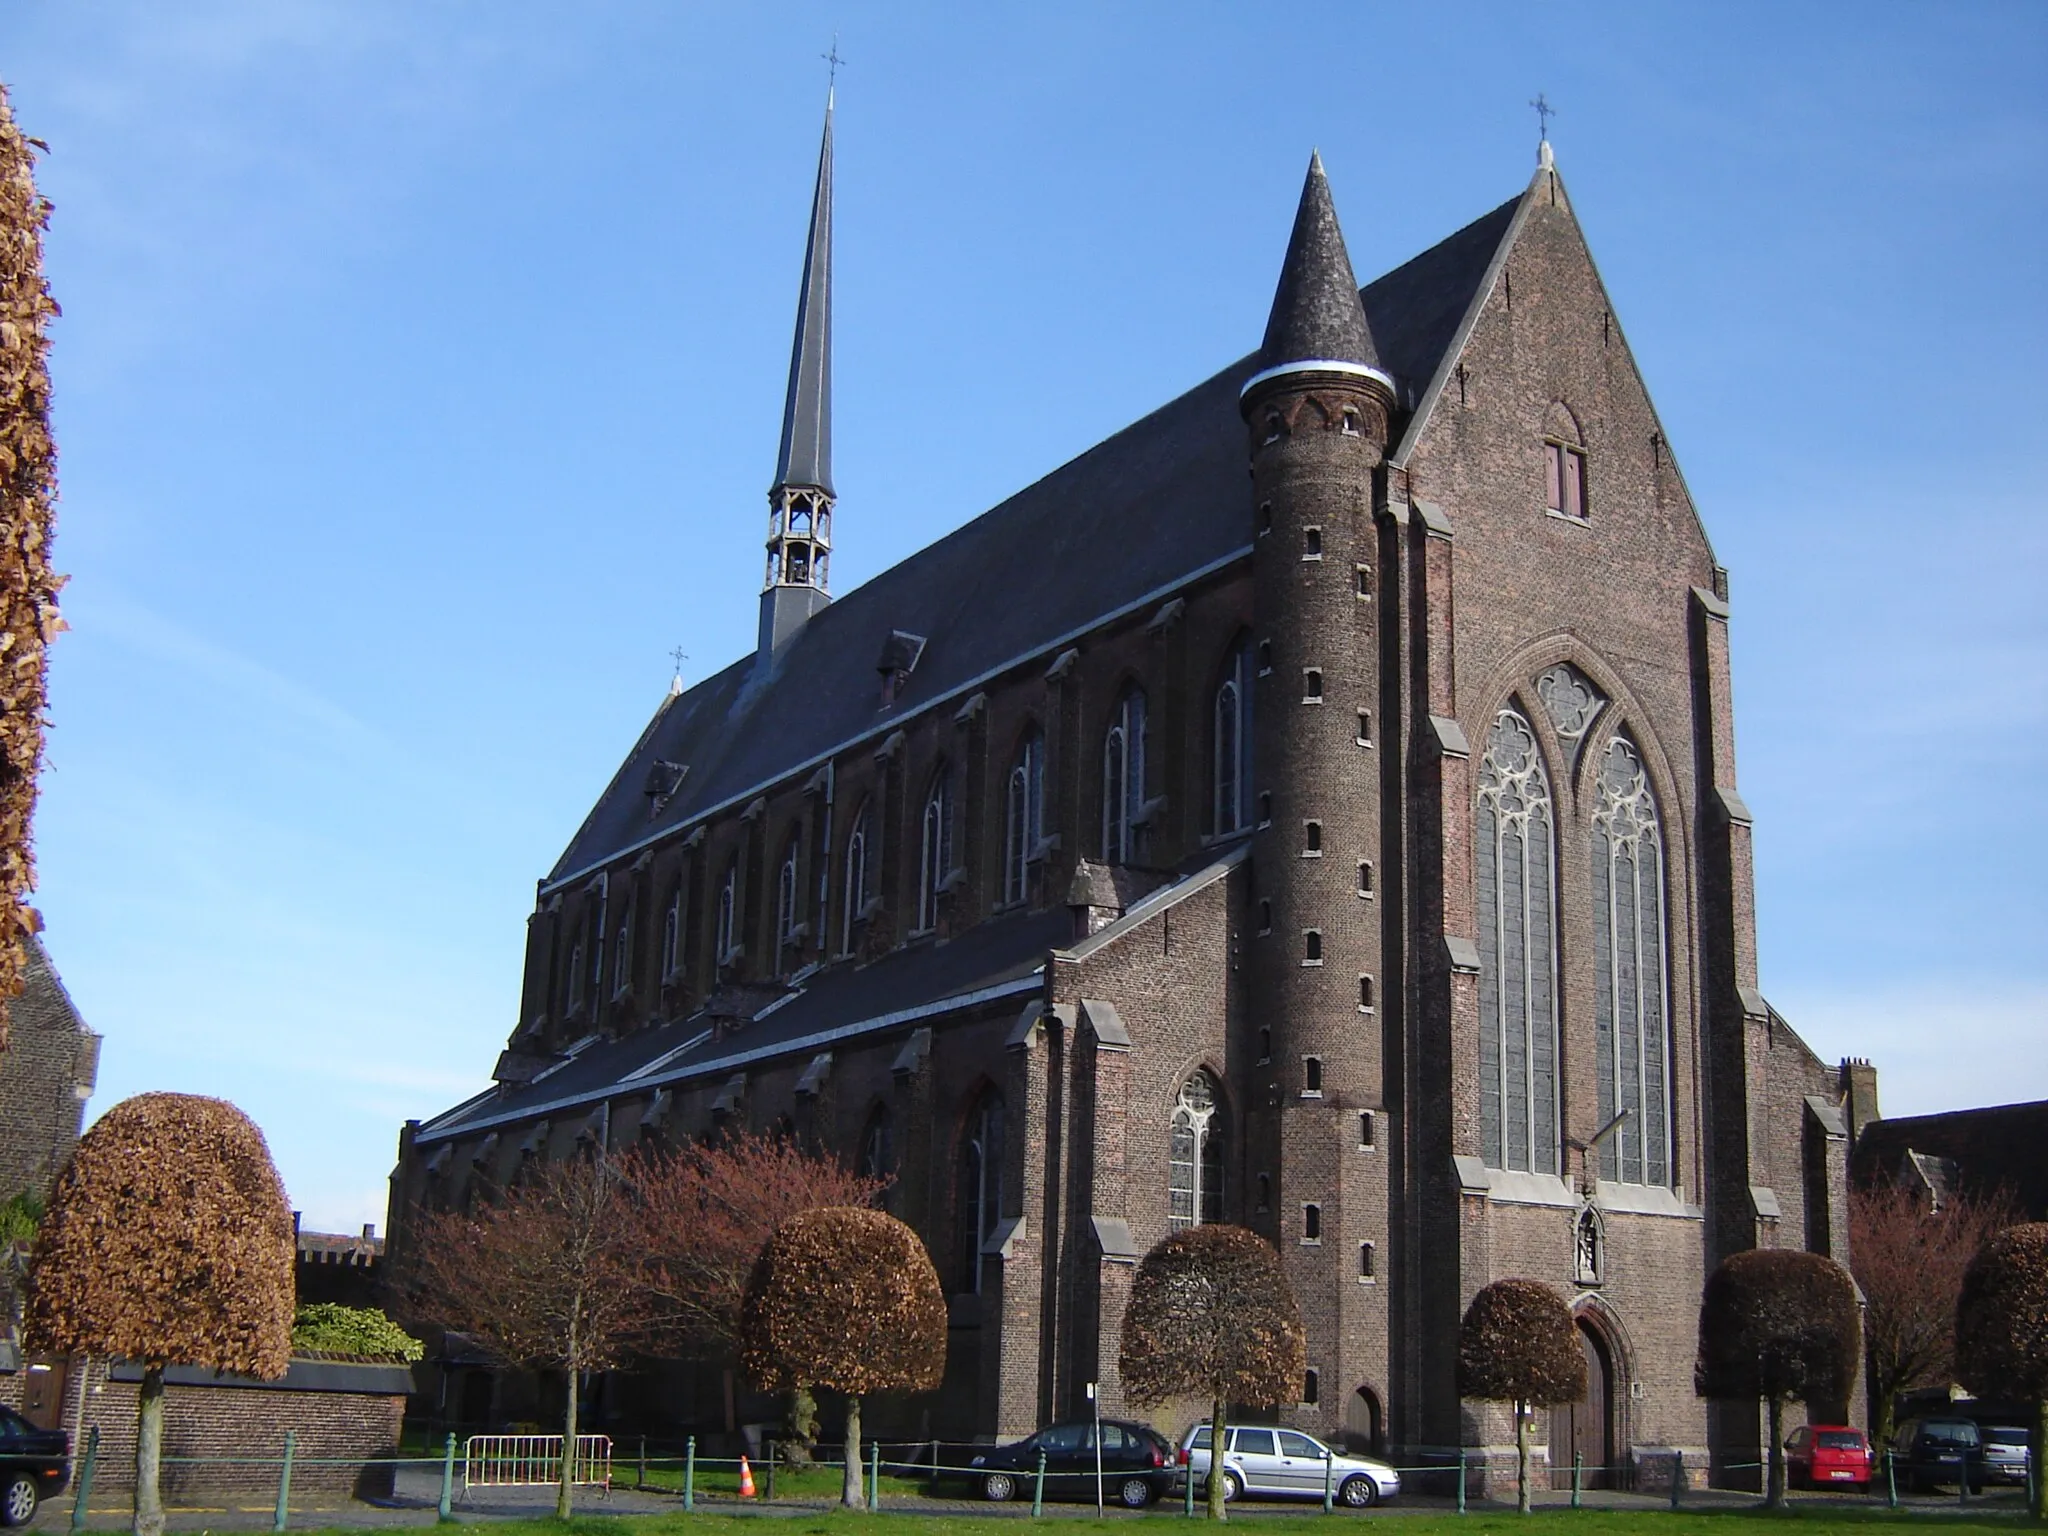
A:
1839	1440
1949	1434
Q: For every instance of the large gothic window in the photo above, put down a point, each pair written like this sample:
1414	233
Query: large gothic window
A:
1123	779
856	894
1230	744
1629	1022
981	1183
1517	917
1195	1155
1023	817
935	847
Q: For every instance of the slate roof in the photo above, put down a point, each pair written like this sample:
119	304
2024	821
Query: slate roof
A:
2001	1147
1316	315
987	963
1148	509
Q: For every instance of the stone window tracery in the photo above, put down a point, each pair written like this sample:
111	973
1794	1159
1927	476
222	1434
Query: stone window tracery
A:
1517	921
1195	1155
1571	701
1630	1021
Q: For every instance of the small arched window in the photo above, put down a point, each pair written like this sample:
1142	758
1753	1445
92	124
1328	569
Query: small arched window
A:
935	847
855	899
1195	1155
728	912
981	1183
1230	763
788	899
672	933
1123	779
1023	817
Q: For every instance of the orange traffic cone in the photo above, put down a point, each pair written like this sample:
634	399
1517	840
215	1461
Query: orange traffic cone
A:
746	1479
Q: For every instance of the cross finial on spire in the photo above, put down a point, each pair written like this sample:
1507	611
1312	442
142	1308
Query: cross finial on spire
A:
832	59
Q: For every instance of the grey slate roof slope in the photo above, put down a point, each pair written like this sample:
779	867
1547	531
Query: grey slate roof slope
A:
805	457
839	1001
1316	315
1143	510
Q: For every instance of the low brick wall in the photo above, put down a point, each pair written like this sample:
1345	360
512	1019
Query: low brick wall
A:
345	1415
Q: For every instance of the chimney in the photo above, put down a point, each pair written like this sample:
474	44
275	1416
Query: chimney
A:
1859	1095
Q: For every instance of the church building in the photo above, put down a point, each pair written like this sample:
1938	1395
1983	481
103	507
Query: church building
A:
1313	808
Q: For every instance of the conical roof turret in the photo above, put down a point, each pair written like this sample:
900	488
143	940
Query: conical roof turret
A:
1317	318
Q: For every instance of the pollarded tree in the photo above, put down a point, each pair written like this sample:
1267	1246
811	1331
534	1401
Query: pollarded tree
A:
544	1276
1779	1325
1519	1345
2002	1331
28	493
1211	1314
845	1298
168	1241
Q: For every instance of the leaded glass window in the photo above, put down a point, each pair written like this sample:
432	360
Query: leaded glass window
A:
788	899
728	913
1195	1155
1023	817
856	894
1517	920
1231	743
1630	1020
935	851
981	1183
1123	779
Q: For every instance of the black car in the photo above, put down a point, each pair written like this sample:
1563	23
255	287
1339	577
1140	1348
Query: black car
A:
1930	1453
1137	1464
34	1463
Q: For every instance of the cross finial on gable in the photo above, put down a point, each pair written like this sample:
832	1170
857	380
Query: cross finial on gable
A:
678	656
1544	113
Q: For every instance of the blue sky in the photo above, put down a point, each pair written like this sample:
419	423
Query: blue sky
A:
419	383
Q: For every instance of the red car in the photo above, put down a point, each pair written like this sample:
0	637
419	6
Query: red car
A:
1828	1456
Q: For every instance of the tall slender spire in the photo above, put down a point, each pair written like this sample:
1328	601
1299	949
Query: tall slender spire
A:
801	499
1317	320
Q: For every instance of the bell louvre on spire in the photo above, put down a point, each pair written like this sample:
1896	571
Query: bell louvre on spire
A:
1317	322
800	501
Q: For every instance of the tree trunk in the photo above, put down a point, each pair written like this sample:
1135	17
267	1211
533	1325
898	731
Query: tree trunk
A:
795	1451
562	1506
1774	1486
849	1492
2038	1458
1521	1456
149	1452
1219	1437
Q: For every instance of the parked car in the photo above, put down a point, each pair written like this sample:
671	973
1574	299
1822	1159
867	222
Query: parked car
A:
1931	1452
1828	1456
1137	1464
34	1464
1267	1462
2005	1452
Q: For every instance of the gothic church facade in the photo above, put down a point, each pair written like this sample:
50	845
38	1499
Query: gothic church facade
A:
1312	808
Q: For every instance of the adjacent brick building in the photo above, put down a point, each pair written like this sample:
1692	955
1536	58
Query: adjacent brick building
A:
47	1071
1314	807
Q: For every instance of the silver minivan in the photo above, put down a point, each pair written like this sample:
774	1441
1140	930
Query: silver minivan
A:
1267	1462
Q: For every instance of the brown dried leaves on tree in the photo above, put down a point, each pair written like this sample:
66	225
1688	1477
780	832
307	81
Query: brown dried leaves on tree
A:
1518	1344
29	619
1909	1262
701	1215
1211	1314
168	1240
2002	1329
844	1298
1783	1326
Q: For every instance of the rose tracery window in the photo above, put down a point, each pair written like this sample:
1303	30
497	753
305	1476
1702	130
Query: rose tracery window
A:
1517	920
1629	1015
1195	1155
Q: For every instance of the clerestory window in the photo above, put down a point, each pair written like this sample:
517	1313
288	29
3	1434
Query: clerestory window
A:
1023	817
788	901
935	847
1230	744
1123	779
855	896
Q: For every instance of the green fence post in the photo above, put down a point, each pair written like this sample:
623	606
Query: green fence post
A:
1578	1472
1038	1487
85	1470
448	1480
1677	1476
769	1447
1329	1480
1187	1486
1461	1479
284	1484
690	1474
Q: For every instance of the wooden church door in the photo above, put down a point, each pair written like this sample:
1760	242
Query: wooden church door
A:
1586	1428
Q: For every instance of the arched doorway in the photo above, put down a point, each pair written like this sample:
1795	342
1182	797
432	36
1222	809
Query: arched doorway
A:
1586	1428
1364	1428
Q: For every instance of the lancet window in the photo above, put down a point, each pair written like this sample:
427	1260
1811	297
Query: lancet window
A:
935	847
981	1183
788	900
1630	1021
1023	817
1195	1155
856	892
1123	779
1517	921
1231	747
